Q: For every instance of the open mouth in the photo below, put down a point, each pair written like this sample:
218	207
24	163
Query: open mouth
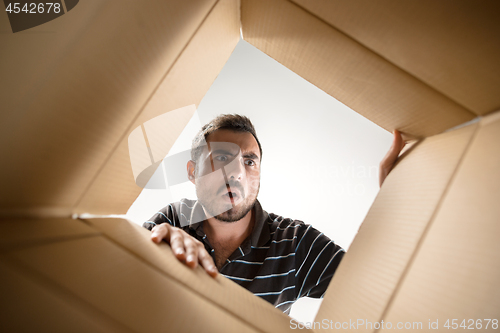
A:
231	195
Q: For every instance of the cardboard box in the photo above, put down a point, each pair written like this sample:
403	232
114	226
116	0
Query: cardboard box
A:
73	89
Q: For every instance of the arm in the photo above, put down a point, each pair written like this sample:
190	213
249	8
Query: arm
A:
390	158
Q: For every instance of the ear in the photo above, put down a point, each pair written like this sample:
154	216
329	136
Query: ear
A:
191	166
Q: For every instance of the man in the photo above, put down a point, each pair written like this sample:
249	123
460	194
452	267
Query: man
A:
276	258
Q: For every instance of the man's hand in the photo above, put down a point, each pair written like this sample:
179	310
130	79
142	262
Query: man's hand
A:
185	247
391	157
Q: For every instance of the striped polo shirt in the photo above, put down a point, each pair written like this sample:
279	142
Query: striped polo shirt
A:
282	260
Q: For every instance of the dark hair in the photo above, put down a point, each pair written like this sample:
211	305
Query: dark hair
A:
233	122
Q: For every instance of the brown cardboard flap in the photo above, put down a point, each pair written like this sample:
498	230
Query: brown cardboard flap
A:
123	285
378	257
24	232
456	271
114	189
185	83
31	305
74	87
452	46
347	70
229	296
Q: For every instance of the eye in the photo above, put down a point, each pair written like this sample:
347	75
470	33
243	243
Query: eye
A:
221	158
250	162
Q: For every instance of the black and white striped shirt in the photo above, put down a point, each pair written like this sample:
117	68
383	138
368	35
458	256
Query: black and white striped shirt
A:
280	261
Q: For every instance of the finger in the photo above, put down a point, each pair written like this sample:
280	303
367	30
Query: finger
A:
177	243
396	147
398	141
160	232
207	262
391	156
191	252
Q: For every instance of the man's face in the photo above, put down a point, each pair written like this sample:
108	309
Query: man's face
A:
228	174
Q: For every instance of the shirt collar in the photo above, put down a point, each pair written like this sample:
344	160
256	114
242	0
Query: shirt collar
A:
261	233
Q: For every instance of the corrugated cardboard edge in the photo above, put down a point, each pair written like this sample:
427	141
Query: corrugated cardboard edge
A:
347	70
113	189
130	254
58	137
454	272
452	48
221	291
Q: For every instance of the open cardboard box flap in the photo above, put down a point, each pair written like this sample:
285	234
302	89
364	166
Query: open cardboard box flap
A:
74	89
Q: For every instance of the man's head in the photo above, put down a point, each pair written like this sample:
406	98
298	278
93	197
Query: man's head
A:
225	167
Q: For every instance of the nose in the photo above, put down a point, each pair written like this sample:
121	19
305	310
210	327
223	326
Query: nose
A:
235	169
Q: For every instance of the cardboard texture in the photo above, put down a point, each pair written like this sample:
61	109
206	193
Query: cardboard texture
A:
74	116
32	305
23	232
348	70
186	83
73	89
455	272
222	292
451	46
147	289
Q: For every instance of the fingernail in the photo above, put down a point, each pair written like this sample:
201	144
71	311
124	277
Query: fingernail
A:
189	258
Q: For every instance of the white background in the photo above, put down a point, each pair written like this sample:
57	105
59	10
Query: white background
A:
320	158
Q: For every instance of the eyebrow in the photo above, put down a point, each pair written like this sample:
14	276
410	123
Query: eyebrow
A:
222	151
251	155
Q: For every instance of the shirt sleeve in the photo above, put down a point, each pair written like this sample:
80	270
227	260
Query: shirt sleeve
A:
164	215
316	260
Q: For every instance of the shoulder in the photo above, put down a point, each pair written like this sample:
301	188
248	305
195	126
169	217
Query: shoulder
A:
174	213
299	233
280	224
283	228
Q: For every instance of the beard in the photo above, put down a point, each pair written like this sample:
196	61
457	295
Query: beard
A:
235	213
226	212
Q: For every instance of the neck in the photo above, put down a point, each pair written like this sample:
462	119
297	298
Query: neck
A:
229	232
